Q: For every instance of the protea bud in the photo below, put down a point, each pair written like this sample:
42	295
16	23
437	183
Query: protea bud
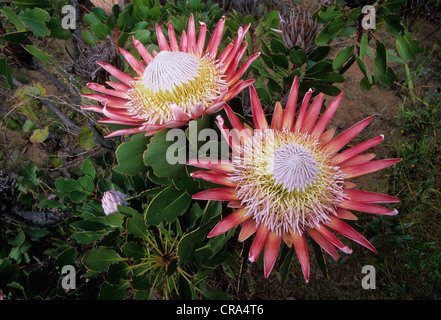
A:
111	200
299	30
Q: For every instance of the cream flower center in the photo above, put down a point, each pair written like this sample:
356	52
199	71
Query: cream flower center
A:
169	70
294	167
286	181
175	79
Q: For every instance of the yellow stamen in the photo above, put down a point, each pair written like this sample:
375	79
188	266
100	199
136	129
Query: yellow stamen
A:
177	78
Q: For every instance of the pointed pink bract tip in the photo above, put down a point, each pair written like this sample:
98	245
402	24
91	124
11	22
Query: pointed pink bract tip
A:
346	249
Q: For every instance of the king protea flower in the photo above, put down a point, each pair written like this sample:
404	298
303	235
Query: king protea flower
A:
177	84
289	179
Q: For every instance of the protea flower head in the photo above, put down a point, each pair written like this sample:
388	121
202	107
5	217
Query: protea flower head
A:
289	179
111	200
107	5
177	84
299	29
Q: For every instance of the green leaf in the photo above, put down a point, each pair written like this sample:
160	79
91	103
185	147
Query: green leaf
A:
130	155
347	31
265	48
268	61
87	36
363	68
278	46
393	24
154	14
128	211
36	20
394	5
125	21
333	77
142	35
136	226
9	270
320	258
298	56
87	237
116	272
329	14
281	60
387	79
57	30
285	266
193	133
263	94
28	177
319	53
167	205
86	138
39	135
187	244
354	13
365	86
100	13
134	250
88	168
187	183
15	37
195	5
100	30
363	45
327	89
114	291
37	53
91	19
4	70
19	239
319	68
123	39
380	60
67	257
29	126
32	3
330	31
13	18
100	259
407	47
67	185
274	86
86	183
341	57
89	224
161	152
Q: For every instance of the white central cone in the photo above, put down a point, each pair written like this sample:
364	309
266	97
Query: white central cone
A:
286	181
294	166
170	69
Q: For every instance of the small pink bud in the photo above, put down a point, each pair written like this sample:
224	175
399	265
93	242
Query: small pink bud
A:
111	200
